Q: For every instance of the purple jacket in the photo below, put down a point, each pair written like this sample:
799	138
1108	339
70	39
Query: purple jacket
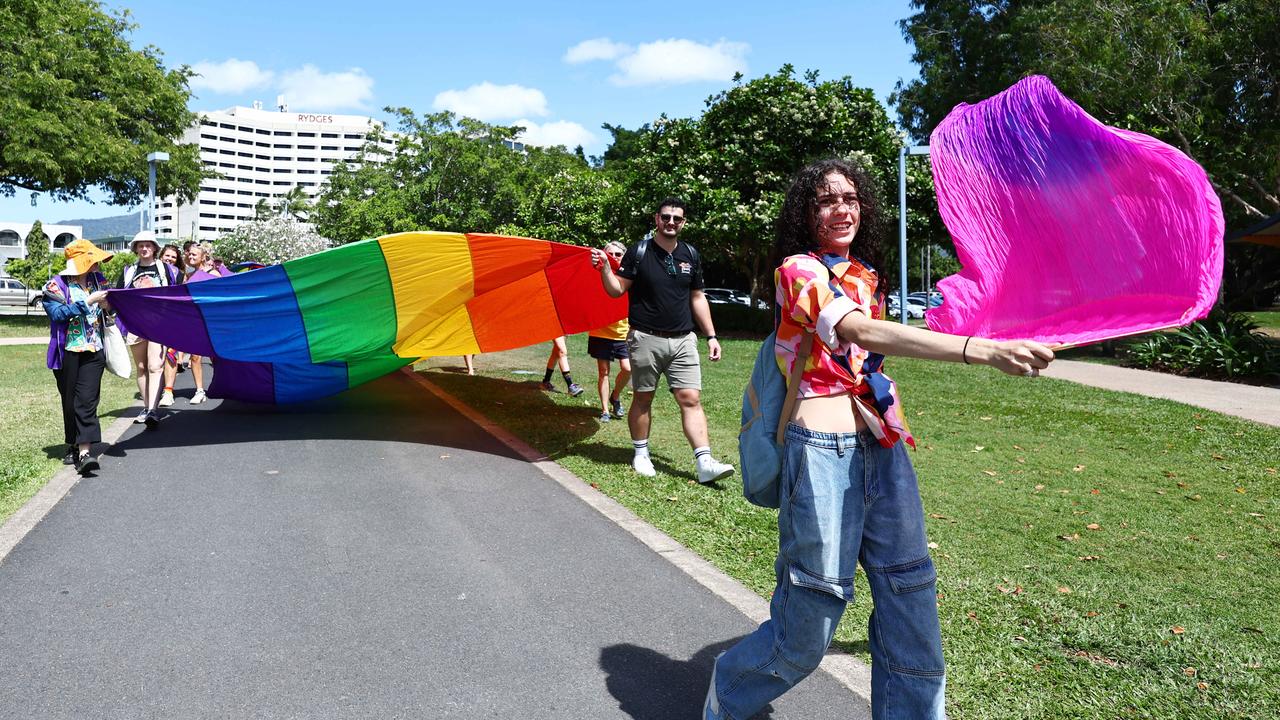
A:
56	300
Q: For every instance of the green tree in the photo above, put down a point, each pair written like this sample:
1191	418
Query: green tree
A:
295	203
734	163
1201	75
568	206
113	269
81	109
445	174
625	145
38	266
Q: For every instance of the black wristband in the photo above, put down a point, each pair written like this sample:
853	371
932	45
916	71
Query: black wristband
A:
964	354
711	337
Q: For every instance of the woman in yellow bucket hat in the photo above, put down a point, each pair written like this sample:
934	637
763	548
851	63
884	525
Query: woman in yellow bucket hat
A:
74	300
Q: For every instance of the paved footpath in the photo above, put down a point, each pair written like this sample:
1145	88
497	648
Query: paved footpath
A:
25	341
1260	404
375	555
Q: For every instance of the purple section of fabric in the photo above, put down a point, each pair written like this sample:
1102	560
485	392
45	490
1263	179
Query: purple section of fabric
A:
248	381
171	276
1069	231
165	315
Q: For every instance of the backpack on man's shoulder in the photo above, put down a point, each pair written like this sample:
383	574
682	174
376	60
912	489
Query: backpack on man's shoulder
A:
769	397
642	247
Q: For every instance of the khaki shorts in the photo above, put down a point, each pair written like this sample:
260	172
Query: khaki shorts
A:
653	356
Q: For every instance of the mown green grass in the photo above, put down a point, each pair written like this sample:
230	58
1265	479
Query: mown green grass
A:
1268	320
1165	608
35	324
31	445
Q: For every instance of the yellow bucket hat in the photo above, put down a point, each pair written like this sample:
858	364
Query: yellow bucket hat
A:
81	255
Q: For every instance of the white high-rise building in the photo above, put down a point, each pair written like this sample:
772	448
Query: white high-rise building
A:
260	155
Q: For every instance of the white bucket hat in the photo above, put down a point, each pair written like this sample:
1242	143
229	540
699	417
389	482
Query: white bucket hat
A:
143	236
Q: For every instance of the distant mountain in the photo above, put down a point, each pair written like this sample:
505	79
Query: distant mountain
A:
96	228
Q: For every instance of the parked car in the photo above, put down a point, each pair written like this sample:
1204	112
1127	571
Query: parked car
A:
915	307
13	292
734	297
720	296
934	298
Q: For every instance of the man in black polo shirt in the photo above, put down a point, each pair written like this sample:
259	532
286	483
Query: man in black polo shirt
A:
664	282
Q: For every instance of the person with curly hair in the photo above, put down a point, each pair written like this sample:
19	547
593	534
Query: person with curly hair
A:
848	493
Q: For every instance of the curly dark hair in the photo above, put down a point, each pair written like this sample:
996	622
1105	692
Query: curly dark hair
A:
795	223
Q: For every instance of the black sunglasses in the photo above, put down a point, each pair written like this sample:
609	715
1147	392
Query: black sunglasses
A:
677	219
670	262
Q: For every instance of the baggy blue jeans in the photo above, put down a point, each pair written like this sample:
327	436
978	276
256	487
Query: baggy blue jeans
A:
844	499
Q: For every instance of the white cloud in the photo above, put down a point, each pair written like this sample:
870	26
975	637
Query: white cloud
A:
670	62
489	102
595	49
230	76
560	132
307	88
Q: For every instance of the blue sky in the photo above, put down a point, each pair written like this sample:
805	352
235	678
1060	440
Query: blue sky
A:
562	68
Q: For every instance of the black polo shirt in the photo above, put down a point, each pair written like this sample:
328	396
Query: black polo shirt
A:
661	286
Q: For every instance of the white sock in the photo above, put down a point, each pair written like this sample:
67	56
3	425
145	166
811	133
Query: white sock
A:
641	446
702	455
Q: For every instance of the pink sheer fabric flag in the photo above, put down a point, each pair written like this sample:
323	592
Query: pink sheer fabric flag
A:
1069	231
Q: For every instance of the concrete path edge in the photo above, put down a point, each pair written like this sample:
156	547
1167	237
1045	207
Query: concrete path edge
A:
844	668
33	510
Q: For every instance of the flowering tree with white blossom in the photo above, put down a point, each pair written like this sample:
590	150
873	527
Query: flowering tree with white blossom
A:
270	241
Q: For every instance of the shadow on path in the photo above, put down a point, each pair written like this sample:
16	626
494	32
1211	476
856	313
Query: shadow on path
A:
390	408
651	686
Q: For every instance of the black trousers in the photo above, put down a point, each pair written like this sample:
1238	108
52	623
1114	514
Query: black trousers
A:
79	383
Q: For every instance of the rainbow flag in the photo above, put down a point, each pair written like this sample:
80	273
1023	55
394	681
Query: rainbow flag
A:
327	322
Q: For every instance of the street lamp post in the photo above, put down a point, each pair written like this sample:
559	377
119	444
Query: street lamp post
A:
153	159
902	222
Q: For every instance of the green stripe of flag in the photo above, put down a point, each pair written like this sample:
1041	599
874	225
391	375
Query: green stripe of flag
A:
347	303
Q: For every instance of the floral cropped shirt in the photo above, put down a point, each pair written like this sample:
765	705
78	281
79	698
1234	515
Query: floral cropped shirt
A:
813	294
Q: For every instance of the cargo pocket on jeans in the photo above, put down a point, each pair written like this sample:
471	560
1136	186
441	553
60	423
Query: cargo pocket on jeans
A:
912	576
842	588
907	618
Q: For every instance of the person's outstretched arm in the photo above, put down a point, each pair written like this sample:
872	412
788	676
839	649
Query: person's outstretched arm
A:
613	285
1015	357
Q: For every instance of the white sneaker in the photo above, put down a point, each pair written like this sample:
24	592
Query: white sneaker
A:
643	465
166	399
142	417
199	397
713	470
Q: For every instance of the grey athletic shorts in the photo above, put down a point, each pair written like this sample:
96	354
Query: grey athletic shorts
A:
653	356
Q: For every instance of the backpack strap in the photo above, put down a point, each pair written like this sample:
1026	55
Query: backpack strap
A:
793	385
643	246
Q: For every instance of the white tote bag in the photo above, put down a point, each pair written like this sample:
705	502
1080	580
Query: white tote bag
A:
118	359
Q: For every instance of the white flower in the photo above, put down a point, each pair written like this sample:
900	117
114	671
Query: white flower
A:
270	241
